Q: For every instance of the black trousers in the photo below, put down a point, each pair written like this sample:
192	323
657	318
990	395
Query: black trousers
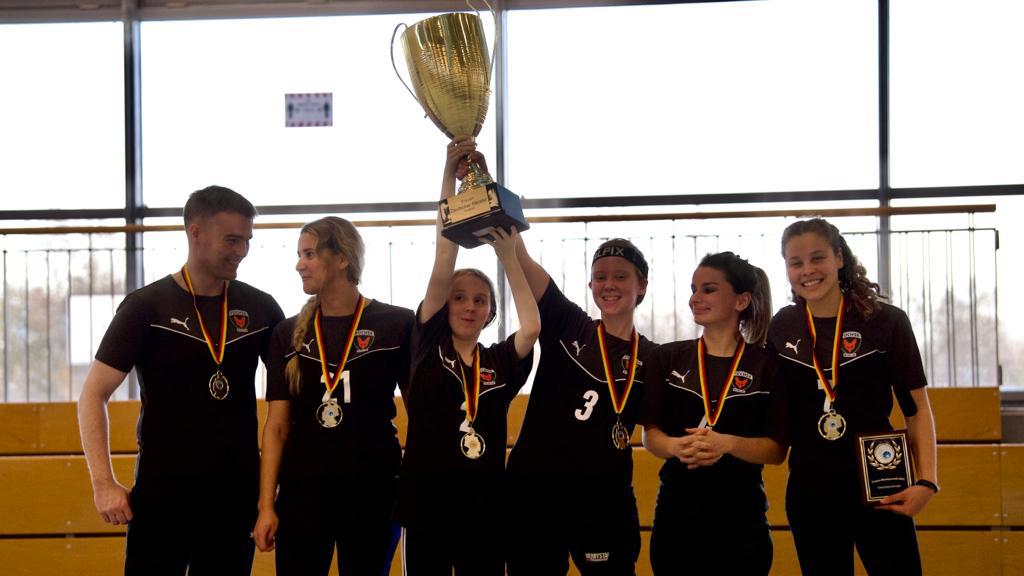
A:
190	528
354	517
696	538
436	550
826	529
594	523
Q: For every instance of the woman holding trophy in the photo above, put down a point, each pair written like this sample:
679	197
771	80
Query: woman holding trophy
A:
571	469
452	482
844	354
329	442
711	486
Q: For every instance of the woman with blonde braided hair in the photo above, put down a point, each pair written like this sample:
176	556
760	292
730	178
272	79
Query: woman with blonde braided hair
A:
330	453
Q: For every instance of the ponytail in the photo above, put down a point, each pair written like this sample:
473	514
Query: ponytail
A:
744	277
291	370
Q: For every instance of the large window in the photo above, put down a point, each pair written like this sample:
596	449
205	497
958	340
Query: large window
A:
62	116
213	111
693	98
956	92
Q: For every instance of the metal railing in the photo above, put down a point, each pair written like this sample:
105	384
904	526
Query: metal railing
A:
59	291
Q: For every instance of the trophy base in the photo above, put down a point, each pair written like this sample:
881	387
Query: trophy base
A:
471	215
884	463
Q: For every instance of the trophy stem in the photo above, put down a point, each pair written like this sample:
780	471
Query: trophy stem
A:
475	177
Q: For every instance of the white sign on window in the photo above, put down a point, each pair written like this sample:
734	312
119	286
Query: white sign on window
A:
312	109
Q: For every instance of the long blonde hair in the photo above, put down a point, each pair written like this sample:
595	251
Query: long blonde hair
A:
340	238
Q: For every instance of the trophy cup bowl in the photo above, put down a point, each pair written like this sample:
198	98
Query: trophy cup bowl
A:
450	73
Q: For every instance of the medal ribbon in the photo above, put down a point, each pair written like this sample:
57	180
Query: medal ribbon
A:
218	353
710	413
332	382
472	396
830	387
618	400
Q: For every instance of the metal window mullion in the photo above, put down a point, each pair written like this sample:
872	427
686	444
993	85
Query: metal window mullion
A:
884	222
134	271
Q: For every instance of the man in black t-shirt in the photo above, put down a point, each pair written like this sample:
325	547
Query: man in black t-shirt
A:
194	339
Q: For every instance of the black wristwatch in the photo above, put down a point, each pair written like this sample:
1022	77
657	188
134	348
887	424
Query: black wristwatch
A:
928	484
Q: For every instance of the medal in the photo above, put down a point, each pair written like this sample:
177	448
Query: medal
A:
620	435
472	444
328	413
831	425
711	414
218	385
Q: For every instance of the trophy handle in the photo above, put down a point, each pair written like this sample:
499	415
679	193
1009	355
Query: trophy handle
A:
394	33
494	47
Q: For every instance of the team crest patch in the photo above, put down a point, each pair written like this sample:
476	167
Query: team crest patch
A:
742	380
851	343
240	318
486	375
597	556
364	339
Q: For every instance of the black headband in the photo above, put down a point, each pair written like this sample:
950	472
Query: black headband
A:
622	249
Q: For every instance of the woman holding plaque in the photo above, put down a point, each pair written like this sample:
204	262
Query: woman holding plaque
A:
329	442
452	484
843	355
711	485
571	492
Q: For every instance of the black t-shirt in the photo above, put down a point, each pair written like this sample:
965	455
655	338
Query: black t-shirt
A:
568	425
364	442
436	477
184	433
731	489
878	356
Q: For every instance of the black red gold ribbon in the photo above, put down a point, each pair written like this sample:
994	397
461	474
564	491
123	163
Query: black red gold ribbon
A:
618	397
472	395
829	386
331	382
712	414
218	352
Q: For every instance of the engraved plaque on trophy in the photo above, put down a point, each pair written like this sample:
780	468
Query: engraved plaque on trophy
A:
450	71
884	463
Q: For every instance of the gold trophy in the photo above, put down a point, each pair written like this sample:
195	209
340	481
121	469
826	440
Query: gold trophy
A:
450	71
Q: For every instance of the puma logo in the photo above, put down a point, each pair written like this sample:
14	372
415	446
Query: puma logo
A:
794	346
306	345
184	322
576	345
682	377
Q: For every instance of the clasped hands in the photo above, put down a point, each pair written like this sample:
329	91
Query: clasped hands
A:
700	447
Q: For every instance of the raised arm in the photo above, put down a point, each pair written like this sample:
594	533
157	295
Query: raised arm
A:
446	251
536	276
275	433
109	496
505	246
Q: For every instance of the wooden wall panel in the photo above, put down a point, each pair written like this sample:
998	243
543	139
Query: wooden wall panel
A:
1012	468
962	414
53	495
93	556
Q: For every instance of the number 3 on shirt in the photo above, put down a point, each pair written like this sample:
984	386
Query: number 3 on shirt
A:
589	400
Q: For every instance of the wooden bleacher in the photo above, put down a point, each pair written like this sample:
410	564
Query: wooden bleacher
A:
48	525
